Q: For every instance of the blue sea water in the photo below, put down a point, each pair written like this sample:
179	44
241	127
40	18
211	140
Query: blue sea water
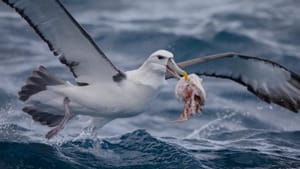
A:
236	129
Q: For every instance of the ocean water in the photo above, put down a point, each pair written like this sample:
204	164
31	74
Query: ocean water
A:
236	130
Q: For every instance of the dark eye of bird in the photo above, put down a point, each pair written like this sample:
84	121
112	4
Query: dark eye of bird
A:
160	57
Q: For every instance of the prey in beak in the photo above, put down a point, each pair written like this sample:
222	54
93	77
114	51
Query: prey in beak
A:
192	93
189	89
174	70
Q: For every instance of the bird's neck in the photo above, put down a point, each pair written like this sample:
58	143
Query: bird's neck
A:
144	75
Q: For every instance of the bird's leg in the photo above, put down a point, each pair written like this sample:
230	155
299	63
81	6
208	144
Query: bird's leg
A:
66	118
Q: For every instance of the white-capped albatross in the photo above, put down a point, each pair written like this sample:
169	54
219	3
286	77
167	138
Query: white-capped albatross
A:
105	92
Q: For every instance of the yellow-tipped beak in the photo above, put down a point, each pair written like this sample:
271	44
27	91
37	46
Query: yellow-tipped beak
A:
175	70
185	75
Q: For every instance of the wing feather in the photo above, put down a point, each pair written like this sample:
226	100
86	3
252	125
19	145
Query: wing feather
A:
268	80
66	39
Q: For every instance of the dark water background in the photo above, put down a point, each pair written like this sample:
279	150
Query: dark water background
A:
236	129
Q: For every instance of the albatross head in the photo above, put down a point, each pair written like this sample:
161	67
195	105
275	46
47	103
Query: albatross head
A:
159	65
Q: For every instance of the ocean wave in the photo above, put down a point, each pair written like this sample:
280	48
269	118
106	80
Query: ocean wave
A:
139	149
133	150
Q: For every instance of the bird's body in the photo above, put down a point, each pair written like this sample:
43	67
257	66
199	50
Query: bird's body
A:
105	99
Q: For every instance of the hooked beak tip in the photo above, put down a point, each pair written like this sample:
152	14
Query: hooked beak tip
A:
185	75
175	70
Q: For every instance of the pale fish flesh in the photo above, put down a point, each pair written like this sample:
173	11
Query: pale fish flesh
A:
190	91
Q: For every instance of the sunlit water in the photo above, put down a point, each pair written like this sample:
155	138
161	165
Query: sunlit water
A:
236	130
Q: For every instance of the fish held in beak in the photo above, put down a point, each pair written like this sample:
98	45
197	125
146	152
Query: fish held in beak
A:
189	90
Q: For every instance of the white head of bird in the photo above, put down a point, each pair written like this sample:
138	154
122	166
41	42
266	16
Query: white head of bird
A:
157	66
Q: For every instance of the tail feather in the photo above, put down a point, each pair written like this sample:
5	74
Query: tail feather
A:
37	82
44	118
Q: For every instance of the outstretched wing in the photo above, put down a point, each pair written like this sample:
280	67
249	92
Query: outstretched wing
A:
268	80
66	39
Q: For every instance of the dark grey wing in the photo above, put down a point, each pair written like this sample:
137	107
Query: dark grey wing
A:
268	80
66	39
